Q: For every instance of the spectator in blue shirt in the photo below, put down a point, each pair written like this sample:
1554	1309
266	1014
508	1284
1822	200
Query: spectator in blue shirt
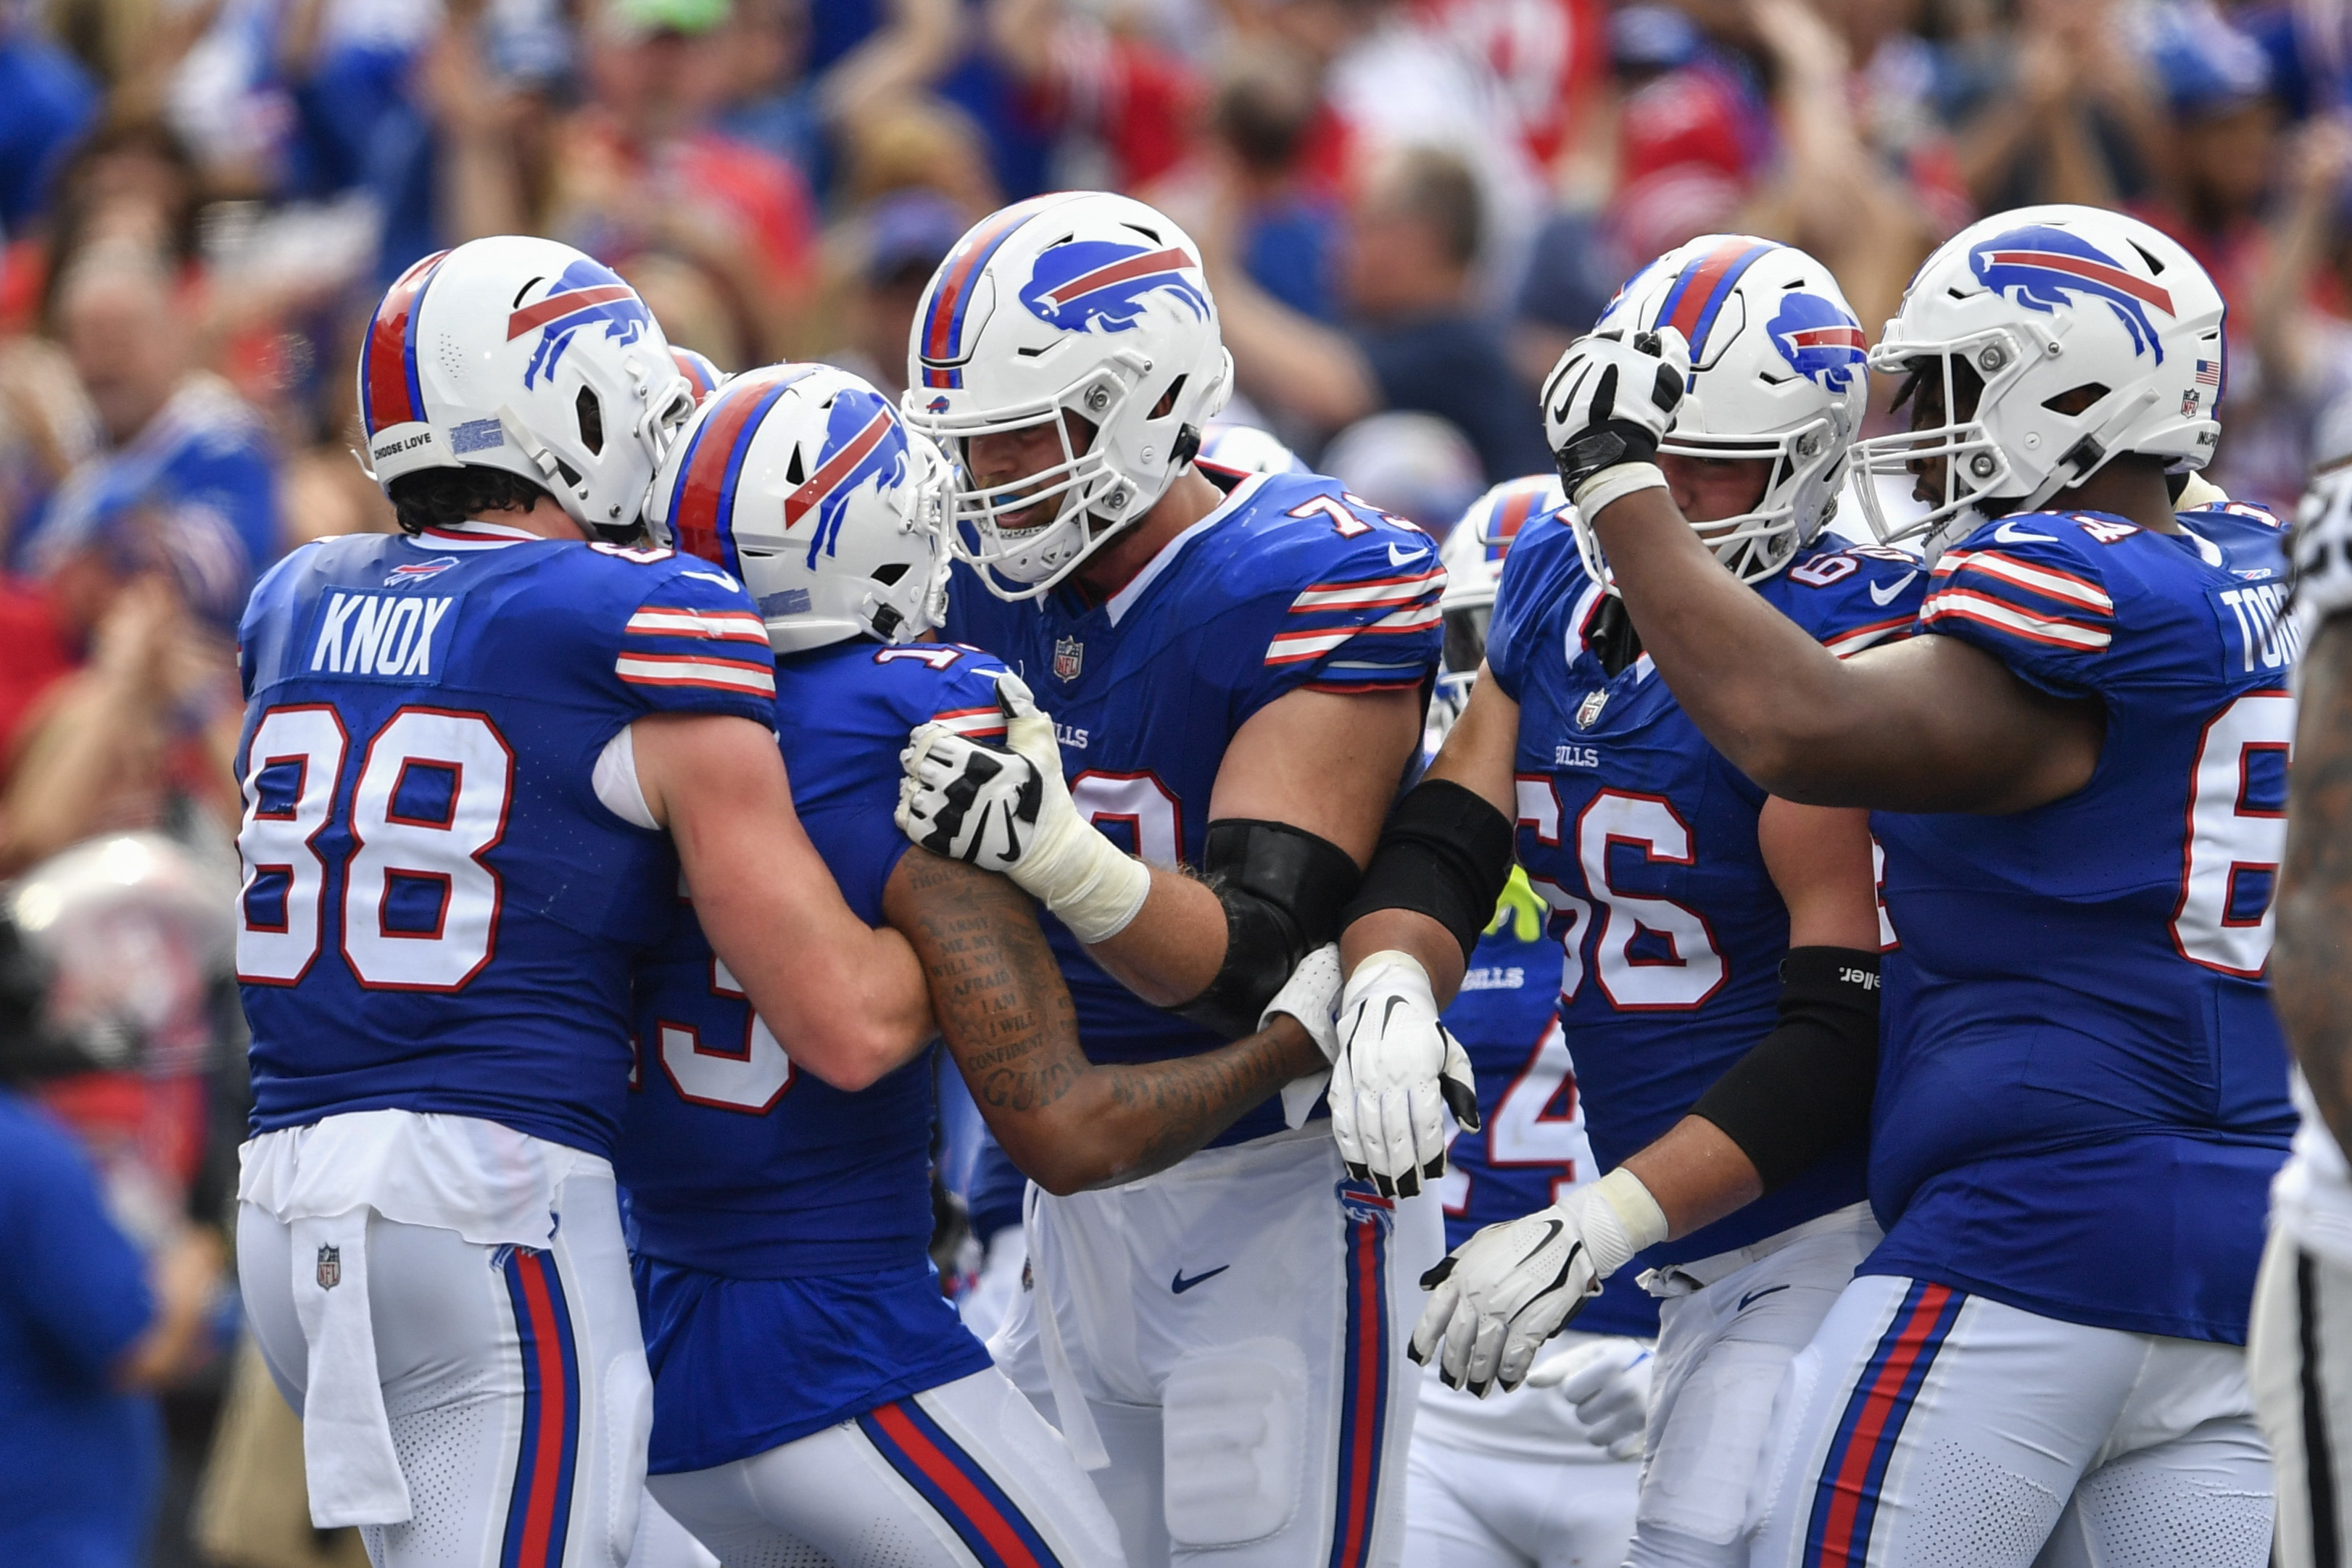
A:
46	101
181	445
87	1326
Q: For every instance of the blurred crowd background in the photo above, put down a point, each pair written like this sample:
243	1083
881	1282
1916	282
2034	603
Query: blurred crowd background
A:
1409	207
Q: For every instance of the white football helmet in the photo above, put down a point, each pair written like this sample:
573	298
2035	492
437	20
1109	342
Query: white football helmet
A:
1082	304
1473	556
2032	305
1776	373
800	480
526	355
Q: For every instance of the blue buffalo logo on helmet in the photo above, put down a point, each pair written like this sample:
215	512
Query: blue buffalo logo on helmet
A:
589	294
2042	268
1819	340
1095	283
863	442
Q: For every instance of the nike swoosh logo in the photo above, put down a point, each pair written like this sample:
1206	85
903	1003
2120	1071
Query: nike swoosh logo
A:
1759	1295
2008	534
720	577
1551	1228
1181	1284
1881	596
1410	556
1390	1011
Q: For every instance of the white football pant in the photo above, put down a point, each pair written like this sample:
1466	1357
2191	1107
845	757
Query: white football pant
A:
1927	1427
1510	1481
1233	1334
966	1475
514	1379
1723	1349
2301	1364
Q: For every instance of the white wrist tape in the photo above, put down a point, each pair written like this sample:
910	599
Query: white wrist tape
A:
1619	1219
1089	884
1614	484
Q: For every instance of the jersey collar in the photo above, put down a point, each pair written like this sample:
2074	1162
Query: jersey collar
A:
471	534
1120	604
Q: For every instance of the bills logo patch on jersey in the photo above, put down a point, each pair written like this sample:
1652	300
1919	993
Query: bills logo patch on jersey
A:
589	294
418	571
863	443
1069	658
1089	284
1820	342
2044	268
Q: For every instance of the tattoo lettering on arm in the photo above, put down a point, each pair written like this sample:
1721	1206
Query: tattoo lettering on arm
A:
1008	1022
2311	974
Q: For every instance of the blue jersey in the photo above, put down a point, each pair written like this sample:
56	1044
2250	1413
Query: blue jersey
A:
437	912
1291	583
1531	1148
78	1458
2083	1093
1641	838
773	1208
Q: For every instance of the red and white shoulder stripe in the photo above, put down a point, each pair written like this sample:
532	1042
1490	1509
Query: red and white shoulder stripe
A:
2024	599
1854	639
1371	594
974	723
707	670
718	625
1294	647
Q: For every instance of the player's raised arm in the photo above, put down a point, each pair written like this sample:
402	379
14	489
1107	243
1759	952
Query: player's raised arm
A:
1928	724
851	998
2311	980
1007	1020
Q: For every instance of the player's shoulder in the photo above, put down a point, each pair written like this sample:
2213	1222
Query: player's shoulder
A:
1850	596
1294	534
1543	559
912	683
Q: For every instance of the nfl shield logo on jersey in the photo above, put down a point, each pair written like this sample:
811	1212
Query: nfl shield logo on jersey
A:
1069	654
1588	713
330	1266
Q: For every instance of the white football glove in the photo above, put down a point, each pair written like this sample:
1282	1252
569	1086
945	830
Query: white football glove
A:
1500	1295
2320	544
1397	1069
1310	996
1608	1381
1008	811
1609	401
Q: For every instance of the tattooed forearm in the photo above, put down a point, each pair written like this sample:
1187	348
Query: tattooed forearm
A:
1008	1022
2311	976
995	989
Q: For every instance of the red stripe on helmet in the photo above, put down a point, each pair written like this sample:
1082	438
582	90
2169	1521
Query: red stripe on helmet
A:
384	357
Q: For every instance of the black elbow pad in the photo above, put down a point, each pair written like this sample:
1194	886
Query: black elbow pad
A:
1282	889
1806	1087
1446	853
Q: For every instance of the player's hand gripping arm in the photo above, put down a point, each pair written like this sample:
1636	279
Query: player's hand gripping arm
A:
1322	763
852	1000
2311	966
1008	1022
1398	1067
1793	1096
1928	724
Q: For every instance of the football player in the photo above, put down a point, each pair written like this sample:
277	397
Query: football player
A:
1523	1478
2298	1351
442	900
1234	664
772	1211
2079	771
1710	930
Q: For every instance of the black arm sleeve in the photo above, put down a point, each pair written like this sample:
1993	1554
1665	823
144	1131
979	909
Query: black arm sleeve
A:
1446	853
1282	888
1804	1088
